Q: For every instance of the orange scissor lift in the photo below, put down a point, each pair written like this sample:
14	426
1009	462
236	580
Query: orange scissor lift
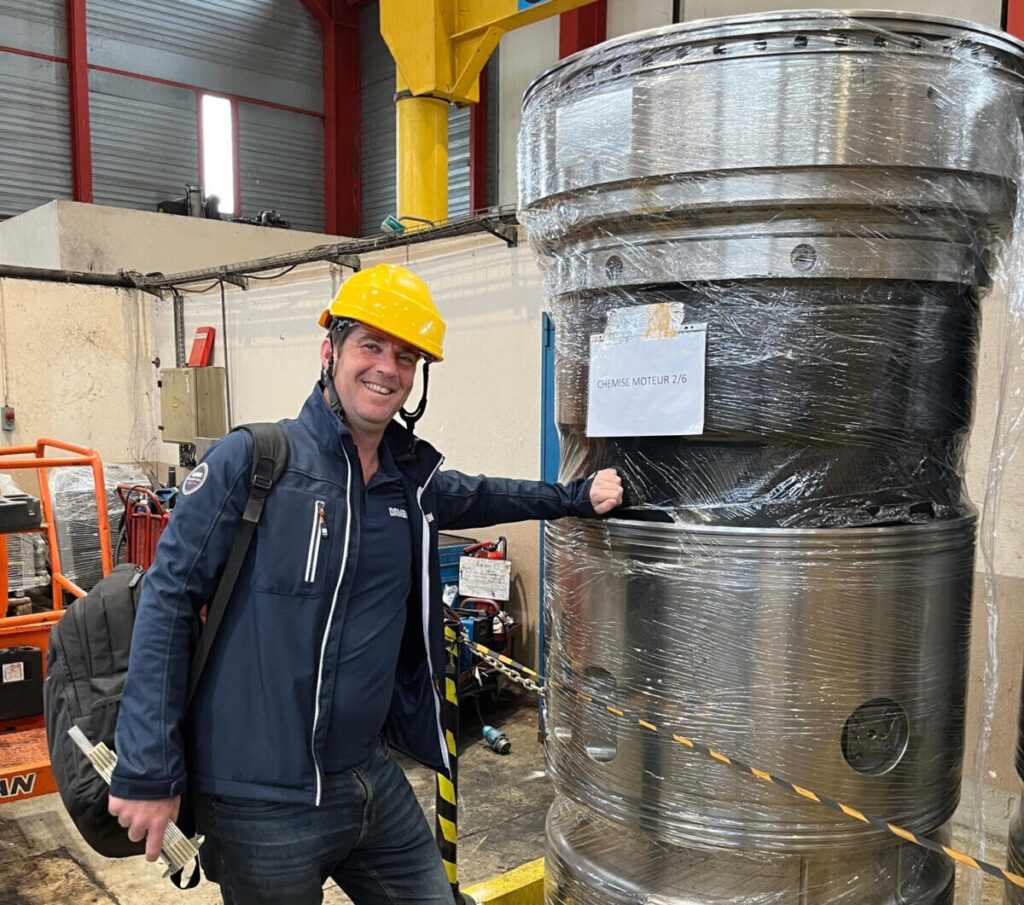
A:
24	761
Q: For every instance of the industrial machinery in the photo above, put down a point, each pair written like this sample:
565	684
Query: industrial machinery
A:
765	241
481	617
73	494
1015	847
143	519
24	763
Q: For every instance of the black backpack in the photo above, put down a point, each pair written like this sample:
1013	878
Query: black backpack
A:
87	661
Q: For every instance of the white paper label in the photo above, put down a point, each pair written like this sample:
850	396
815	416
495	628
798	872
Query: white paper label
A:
484	577
14	672
648	387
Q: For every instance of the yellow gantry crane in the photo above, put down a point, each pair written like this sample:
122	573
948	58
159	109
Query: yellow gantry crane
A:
440	48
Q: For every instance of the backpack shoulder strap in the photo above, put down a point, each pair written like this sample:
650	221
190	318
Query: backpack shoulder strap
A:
269	459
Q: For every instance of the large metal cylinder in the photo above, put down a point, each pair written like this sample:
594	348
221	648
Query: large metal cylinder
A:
838	657
827	402
1015	858
1015	843
593	861
1019	760
823	191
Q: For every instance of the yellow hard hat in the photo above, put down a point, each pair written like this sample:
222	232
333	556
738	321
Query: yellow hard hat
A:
394	300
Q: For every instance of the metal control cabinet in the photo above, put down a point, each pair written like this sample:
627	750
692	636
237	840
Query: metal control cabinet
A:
193	403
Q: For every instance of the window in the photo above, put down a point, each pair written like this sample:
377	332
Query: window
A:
218	157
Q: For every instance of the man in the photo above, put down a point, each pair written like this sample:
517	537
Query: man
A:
331	650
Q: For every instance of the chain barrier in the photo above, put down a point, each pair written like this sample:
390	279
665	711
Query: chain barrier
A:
505	665
527	678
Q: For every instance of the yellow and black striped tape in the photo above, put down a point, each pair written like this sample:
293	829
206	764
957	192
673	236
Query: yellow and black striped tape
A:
446	802
623	713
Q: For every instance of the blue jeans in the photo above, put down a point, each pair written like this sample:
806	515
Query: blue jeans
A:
369	835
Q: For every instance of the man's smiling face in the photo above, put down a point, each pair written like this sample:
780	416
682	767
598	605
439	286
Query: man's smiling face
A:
373	374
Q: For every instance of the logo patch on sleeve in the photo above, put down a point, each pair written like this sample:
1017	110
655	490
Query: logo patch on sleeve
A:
196	478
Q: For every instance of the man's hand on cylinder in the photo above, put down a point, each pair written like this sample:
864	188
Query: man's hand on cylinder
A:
606	491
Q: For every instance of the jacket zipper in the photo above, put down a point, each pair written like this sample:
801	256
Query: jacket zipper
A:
425	609
317	767
316	534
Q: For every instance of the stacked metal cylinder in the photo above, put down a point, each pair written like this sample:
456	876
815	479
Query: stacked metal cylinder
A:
1015	849
792	587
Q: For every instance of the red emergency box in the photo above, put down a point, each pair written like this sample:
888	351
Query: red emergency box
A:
202	347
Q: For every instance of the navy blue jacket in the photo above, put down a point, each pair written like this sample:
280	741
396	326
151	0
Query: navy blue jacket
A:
258	724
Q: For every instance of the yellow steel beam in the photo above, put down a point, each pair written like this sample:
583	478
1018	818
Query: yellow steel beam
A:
422	156
522	886
440	48
479	25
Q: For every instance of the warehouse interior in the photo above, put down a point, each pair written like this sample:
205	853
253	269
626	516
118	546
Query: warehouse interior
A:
789	668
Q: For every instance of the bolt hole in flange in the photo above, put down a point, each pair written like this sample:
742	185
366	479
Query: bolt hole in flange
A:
599	735
875	736
803	257
614	267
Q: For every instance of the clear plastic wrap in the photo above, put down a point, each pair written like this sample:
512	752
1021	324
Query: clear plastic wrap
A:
594	861
833	196
1015	856
1015	841
26	553
822	193
826	405
73	493
820	655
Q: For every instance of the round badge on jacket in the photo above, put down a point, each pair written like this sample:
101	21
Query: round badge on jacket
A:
196	478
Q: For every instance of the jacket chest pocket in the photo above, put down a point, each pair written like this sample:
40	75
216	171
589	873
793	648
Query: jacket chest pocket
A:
293	545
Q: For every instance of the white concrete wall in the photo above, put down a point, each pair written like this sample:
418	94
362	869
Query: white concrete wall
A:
90	237
75	363
627	16
525	54
92	381
32	239
272	341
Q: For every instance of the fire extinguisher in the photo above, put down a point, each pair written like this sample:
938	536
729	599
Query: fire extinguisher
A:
487	549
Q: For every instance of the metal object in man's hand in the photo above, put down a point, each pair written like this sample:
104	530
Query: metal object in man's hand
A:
178	850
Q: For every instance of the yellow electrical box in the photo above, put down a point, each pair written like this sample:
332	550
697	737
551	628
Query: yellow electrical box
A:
193	403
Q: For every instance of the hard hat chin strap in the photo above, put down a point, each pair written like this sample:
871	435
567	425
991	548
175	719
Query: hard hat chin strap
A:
410	418
335	332
327	383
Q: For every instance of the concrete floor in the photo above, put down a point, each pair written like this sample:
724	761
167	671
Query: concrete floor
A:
504	799
501	826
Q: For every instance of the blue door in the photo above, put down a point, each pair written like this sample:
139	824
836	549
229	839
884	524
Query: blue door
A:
549	444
